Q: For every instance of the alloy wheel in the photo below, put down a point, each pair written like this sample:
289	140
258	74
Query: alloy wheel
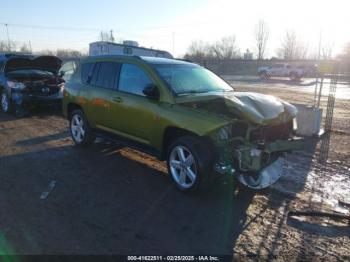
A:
183	167
78	128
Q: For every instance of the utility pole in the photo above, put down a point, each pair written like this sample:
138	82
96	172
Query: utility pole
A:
8	38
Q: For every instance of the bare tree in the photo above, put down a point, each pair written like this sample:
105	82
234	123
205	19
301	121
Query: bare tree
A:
302	50
292	47
226	48
261	35
68	54
3	46
46	52
327	51
8	46
25	48
198	50
288	46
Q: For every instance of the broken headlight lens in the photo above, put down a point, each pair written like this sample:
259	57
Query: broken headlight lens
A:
15	85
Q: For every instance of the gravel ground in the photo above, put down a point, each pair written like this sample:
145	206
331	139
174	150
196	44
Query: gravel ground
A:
112	200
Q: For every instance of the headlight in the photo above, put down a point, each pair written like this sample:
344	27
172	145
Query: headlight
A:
295	124
15	85
224	133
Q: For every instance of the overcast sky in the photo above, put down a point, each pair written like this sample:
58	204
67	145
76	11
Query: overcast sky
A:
172	25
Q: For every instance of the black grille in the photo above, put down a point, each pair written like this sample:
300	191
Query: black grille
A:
48	90
274	132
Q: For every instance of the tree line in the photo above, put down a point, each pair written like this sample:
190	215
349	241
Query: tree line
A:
10	46
291	47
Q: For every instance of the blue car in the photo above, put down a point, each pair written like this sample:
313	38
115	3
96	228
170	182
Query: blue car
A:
27	81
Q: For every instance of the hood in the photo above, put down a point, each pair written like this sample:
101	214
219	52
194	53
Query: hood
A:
49	63
256	108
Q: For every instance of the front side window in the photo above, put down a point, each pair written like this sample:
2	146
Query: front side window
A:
105	74
133	79
190	78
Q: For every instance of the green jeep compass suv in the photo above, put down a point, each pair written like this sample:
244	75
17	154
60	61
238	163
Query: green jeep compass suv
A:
181	113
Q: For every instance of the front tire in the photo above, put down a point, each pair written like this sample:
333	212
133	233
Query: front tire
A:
80	129
189	164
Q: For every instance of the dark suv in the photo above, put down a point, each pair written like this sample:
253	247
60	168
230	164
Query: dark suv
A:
27	80
181	113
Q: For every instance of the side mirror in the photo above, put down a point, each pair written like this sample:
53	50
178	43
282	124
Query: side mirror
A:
151	91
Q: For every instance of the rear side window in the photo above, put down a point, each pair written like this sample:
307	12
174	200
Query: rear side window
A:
105	75
86	70
133	79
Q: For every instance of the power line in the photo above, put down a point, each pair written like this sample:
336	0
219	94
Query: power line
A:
53	27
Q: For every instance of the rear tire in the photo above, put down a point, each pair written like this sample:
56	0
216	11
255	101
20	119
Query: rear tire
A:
80	130
294	76
263	75
189	163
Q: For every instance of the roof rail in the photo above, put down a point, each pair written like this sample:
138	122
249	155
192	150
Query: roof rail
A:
137	56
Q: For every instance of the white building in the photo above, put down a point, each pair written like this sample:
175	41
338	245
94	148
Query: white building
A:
127	48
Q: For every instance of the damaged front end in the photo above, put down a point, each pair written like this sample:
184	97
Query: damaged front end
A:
259	131
254	154
30	81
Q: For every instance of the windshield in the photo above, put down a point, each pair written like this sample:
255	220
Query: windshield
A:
189	78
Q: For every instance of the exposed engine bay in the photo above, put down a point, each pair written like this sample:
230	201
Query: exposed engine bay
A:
27	81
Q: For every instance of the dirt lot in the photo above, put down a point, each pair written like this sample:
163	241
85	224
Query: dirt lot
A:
113	200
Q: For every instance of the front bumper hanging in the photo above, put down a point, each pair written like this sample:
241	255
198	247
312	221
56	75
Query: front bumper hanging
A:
253	166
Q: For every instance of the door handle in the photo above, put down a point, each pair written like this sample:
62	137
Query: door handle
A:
117	99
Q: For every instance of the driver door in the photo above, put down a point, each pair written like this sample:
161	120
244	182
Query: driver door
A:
133	114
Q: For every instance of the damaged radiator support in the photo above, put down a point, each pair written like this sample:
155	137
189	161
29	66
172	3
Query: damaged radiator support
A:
256	166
